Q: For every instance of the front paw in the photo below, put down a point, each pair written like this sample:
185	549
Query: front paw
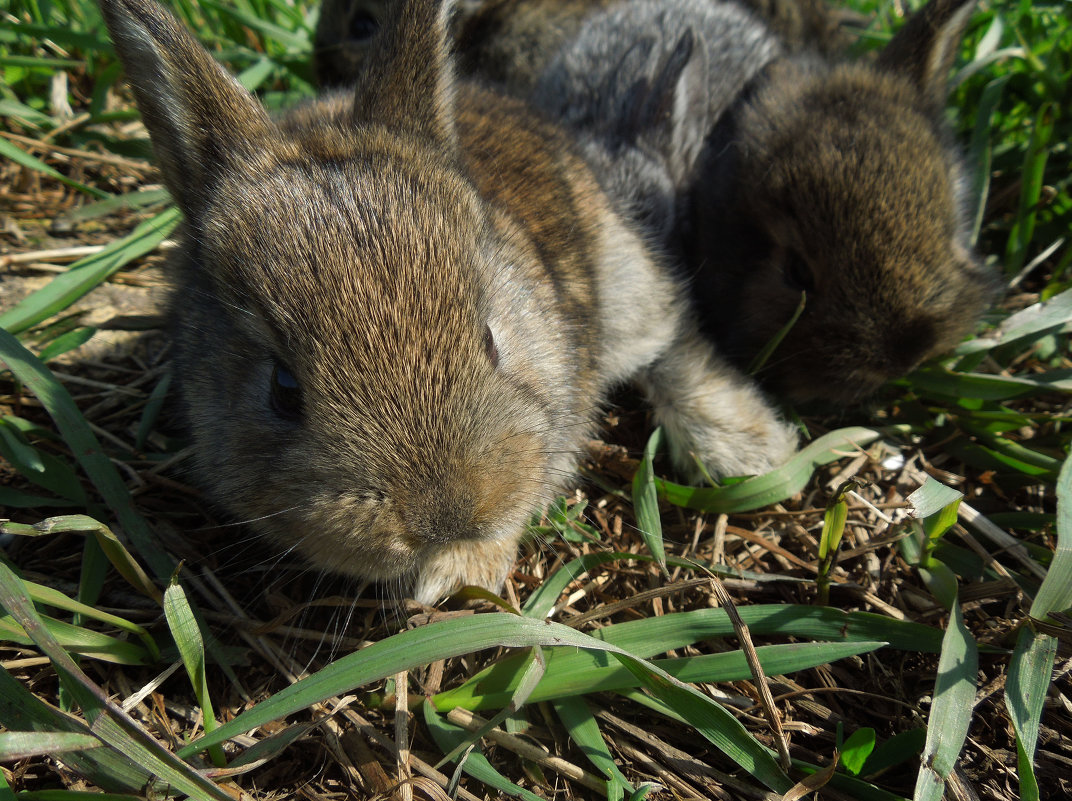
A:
743	442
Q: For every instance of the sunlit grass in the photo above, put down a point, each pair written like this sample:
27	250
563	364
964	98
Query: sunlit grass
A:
998	407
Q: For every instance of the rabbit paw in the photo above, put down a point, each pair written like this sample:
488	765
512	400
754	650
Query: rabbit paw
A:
713	415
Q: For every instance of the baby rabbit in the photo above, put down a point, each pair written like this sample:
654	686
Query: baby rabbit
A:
839	181
398	308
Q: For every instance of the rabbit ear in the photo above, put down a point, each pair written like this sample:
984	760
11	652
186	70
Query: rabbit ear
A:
663	111
680	89
925	47
408	80
199	117
668	115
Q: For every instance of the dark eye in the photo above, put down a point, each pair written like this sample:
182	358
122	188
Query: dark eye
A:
363	26
797	274
285	394
489	347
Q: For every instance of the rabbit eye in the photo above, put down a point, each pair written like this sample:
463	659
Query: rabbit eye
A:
489	347
363	26
797	274
285	395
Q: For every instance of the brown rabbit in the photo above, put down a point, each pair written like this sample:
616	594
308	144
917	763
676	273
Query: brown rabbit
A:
399	308
839	180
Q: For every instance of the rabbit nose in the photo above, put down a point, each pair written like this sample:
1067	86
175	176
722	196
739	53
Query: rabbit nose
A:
442	514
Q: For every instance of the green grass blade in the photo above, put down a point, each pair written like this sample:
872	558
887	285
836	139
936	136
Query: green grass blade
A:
22	710
768	349
102	208
529	676
187	635
857	747
9	107
541	602
66	343
717	724
73	795
15	499
571	674
21	157
981	386
951	709
1034	320
46	470
646	502
448	737
298	41
153	406
54	598
779	484
1032	661
1033	176
584	731
1055	594
1030	670
24	744
449	638
119	556
87	449
76	639
107	721
85	274
980	149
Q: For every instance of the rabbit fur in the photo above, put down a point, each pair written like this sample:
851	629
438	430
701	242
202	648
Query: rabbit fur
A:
398	308
838	178
511	41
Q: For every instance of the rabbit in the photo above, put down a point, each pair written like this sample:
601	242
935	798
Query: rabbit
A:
839	181
511	42
808	24
399	307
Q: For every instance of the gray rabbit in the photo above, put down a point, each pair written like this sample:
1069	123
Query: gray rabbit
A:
398	308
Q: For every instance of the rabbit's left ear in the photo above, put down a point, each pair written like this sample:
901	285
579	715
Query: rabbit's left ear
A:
925	47
407	82
663	110
199	117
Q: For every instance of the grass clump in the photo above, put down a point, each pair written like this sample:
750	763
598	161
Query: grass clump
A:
927	663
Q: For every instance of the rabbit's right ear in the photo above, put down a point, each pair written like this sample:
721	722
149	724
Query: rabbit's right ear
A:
926	45
664	109
199	117
408	78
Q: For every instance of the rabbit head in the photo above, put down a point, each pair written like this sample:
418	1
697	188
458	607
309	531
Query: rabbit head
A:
840	182
366	367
